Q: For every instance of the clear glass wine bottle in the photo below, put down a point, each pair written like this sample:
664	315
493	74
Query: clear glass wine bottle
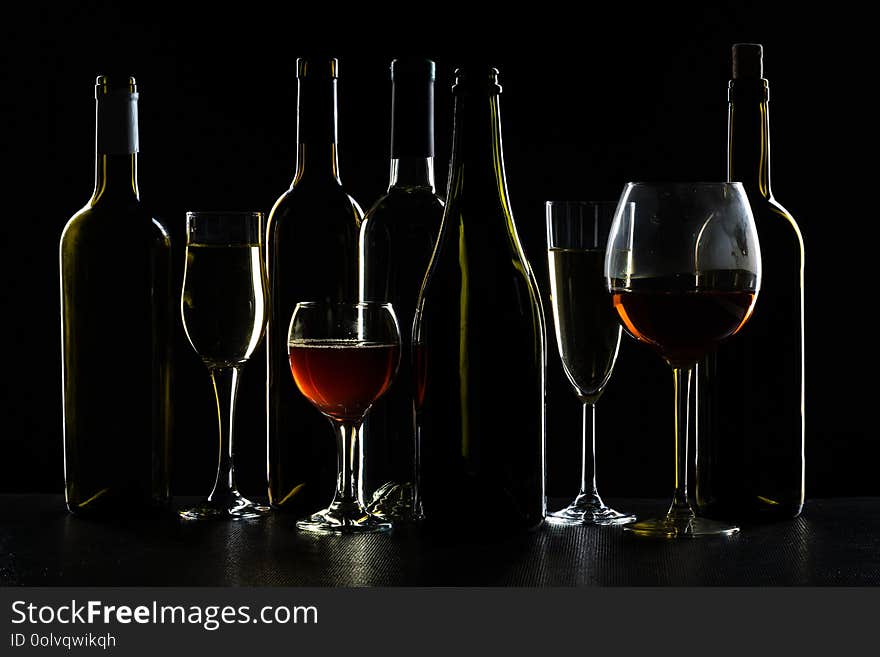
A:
396	241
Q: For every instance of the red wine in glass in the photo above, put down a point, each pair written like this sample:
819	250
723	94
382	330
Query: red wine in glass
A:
683	322
683	265
342	378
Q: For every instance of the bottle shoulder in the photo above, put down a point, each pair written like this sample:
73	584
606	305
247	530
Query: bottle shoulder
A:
119	221
409	205
779	210
327	203
774	222
75	222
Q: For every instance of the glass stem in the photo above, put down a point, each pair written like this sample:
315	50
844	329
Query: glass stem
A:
588	452
682	377
348	480
225	380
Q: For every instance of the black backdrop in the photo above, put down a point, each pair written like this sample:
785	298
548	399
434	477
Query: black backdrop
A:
593	97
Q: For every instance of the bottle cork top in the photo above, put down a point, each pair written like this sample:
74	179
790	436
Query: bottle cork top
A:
748	61
115	83
413	67
317	68
476	76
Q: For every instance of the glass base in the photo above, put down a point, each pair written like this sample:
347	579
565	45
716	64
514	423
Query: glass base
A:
589	510
685	527
337	519
395	503
235	507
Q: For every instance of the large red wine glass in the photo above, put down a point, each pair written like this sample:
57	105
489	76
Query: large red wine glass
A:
683	266
343	357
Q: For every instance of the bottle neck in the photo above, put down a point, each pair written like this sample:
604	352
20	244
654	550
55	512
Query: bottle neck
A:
115	177
116	147
748	134
412	132
316	130
477	154
412	172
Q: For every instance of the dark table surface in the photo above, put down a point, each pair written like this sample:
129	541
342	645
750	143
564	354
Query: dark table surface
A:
834	542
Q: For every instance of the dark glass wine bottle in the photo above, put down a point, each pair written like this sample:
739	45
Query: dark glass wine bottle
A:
396	241
311	255
479	337
116	323
750	458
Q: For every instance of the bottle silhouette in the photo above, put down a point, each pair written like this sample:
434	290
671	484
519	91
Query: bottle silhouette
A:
750	458
311	255
116	328
479	339
396	241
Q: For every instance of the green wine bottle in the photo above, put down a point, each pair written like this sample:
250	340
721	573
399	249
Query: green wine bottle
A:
479	337
116	323
750	456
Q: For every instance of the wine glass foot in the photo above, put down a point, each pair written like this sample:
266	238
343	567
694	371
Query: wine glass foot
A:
589	510
686	527
336	521
234	508
394	503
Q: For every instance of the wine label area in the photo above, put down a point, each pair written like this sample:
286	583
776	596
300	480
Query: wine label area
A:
379	324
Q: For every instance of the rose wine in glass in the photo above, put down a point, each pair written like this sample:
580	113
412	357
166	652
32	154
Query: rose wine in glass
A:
343	378
343	357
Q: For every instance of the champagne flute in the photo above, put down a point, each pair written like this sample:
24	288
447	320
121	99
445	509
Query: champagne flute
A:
343	357
683	265
223	305
587	334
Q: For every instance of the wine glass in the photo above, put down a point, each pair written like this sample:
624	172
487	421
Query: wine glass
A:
223	305
343	357
683	265
587	334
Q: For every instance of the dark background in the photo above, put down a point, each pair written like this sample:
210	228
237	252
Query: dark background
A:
593	97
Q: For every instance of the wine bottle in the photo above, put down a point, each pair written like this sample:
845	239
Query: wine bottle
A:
116	328
311	255
479	338
396	241
750	462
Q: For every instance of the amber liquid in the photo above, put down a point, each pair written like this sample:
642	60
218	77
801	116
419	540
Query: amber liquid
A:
681	320
342	378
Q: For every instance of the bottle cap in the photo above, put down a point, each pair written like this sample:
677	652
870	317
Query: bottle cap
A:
413	67
748	61
114	84
476	77
312	68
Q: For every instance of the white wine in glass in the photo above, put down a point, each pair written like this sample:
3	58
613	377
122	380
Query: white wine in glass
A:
223	306
587	334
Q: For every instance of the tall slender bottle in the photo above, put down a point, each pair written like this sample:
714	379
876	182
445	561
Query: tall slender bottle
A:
311	255
750	459
116	328
396	241
479	338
